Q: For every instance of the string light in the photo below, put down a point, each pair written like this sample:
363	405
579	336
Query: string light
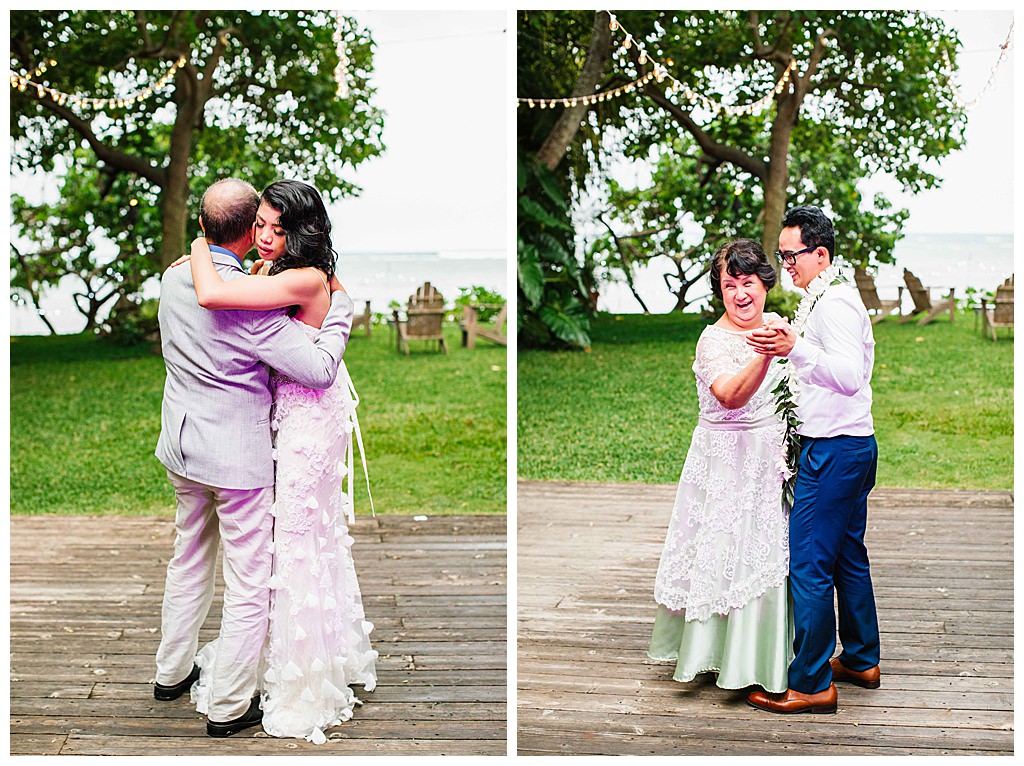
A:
967	106
27	82
693	97
341	70
661	73
551	103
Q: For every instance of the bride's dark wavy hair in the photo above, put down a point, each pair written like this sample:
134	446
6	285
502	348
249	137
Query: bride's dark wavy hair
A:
306	225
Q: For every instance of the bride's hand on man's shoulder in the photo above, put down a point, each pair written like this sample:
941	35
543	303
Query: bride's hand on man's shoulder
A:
256	266
183	259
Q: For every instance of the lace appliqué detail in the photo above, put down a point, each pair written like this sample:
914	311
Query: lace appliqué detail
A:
319	640
728	538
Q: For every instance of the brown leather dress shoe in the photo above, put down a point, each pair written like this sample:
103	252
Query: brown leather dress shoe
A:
869	679
791	701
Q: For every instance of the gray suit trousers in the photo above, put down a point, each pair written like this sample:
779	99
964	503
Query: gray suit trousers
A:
206	515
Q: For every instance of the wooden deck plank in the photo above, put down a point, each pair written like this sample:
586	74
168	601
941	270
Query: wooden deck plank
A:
84	629
942	564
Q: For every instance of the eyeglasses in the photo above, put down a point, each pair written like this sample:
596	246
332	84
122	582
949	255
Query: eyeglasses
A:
790	258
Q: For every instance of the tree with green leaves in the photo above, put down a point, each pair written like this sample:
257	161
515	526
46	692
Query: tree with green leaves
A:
556	293
866	93
255	98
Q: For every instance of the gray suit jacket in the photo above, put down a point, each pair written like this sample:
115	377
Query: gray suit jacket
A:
215	425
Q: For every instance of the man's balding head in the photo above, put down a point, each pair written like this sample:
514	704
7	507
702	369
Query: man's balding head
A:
228	211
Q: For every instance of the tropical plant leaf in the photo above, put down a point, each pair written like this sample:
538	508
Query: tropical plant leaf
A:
531	274
536	212
551	249
549	183
567	320
520	175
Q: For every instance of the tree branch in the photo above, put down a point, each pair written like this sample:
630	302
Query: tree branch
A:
627	263
769	52
721	152
33	293
143	29
801	85
117	159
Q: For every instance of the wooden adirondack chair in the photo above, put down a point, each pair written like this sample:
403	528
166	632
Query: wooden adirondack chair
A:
923	306
869	295
363	320
1000	313
424	319
472	329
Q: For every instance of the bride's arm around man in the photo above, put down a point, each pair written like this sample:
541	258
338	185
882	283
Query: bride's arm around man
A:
215	443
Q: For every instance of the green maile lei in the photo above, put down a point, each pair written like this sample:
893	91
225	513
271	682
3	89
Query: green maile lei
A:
786	391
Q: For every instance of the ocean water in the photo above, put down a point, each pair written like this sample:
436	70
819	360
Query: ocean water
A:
384	277
376	277
941	261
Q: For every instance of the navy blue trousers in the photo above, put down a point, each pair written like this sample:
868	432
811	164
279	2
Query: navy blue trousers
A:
827	556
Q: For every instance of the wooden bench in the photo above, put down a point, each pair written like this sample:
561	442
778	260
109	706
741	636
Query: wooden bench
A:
1000	313
424	319
869	295
923	306
473	329
363	320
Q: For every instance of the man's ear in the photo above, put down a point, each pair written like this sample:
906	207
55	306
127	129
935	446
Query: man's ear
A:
201	227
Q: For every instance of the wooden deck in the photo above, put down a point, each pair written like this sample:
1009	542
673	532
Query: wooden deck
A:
85	617
942	566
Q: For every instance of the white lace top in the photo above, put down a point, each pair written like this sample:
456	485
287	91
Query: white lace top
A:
728	538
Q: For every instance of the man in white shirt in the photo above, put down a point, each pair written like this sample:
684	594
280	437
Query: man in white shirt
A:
831	350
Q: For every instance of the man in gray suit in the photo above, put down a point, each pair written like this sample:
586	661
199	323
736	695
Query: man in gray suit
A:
215	444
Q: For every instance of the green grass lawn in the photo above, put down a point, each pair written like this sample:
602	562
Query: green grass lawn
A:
85	417
624	412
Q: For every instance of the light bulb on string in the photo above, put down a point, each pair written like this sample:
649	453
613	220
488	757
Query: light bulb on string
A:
660	73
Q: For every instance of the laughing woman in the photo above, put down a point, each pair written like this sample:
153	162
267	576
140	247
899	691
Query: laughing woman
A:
721	582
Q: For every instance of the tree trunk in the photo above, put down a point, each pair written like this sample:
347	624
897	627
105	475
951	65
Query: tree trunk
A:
174	211
787	112
776	183
558	140
174	215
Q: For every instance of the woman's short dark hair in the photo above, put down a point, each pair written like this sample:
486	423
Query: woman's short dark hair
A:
816	229
307	227
741	256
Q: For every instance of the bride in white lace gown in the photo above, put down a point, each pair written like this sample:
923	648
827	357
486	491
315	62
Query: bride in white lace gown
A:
721	584
318	644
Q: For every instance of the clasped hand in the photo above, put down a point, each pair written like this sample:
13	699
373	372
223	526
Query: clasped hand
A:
775	338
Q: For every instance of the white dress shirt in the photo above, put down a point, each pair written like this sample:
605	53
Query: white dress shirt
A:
832	362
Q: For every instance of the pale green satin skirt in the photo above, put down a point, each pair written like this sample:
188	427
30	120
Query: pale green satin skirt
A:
751	646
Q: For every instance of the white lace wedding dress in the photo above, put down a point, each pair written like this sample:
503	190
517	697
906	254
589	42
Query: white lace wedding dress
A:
318	643
721	582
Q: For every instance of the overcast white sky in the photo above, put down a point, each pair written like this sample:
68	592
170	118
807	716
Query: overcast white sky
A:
976	194
442	183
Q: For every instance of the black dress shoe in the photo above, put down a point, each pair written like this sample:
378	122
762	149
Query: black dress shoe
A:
174	691
251	717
